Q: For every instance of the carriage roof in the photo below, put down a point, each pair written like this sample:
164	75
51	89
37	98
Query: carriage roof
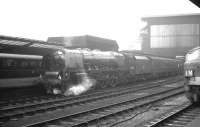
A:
20	56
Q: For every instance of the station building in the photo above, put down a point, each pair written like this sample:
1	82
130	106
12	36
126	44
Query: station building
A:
170	36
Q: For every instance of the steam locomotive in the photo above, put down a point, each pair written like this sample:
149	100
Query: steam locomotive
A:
192	75
75	71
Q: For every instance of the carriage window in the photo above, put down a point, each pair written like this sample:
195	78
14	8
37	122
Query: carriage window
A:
33	64
19	64
4	63
40	64
24	64
8	63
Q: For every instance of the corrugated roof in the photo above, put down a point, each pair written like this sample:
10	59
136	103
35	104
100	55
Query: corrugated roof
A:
16	41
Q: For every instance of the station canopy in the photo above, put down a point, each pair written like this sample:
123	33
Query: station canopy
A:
16	45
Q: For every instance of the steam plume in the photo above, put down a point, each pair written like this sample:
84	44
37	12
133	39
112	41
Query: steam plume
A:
86	84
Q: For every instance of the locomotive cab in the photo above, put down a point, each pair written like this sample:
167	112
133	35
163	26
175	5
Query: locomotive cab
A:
192	75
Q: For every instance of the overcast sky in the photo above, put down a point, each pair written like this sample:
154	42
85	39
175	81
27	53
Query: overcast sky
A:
114	19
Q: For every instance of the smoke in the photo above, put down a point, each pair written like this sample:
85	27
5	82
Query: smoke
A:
85	85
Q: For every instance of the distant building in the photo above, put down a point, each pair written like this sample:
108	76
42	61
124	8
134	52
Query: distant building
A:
87	41
172	35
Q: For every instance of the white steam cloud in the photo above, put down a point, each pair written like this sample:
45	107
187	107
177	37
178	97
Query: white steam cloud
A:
85	85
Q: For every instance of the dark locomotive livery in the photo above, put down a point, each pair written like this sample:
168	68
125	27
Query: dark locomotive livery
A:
74	71
192	75
17	70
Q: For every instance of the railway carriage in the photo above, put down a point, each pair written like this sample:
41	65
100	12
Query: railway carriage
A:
192	75
18	70
143	68
163	67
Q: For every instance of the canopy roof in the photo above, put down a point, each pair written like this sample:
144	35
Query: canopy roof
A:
25	46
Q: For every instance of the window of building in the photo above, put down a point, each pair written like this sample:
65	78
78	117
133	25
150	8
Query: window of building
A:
174	35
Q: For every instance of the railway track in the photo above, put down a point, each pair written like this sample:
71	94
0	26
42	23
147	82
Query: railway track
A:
31	98
15	95
90	112
180	116
27	99
23	109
